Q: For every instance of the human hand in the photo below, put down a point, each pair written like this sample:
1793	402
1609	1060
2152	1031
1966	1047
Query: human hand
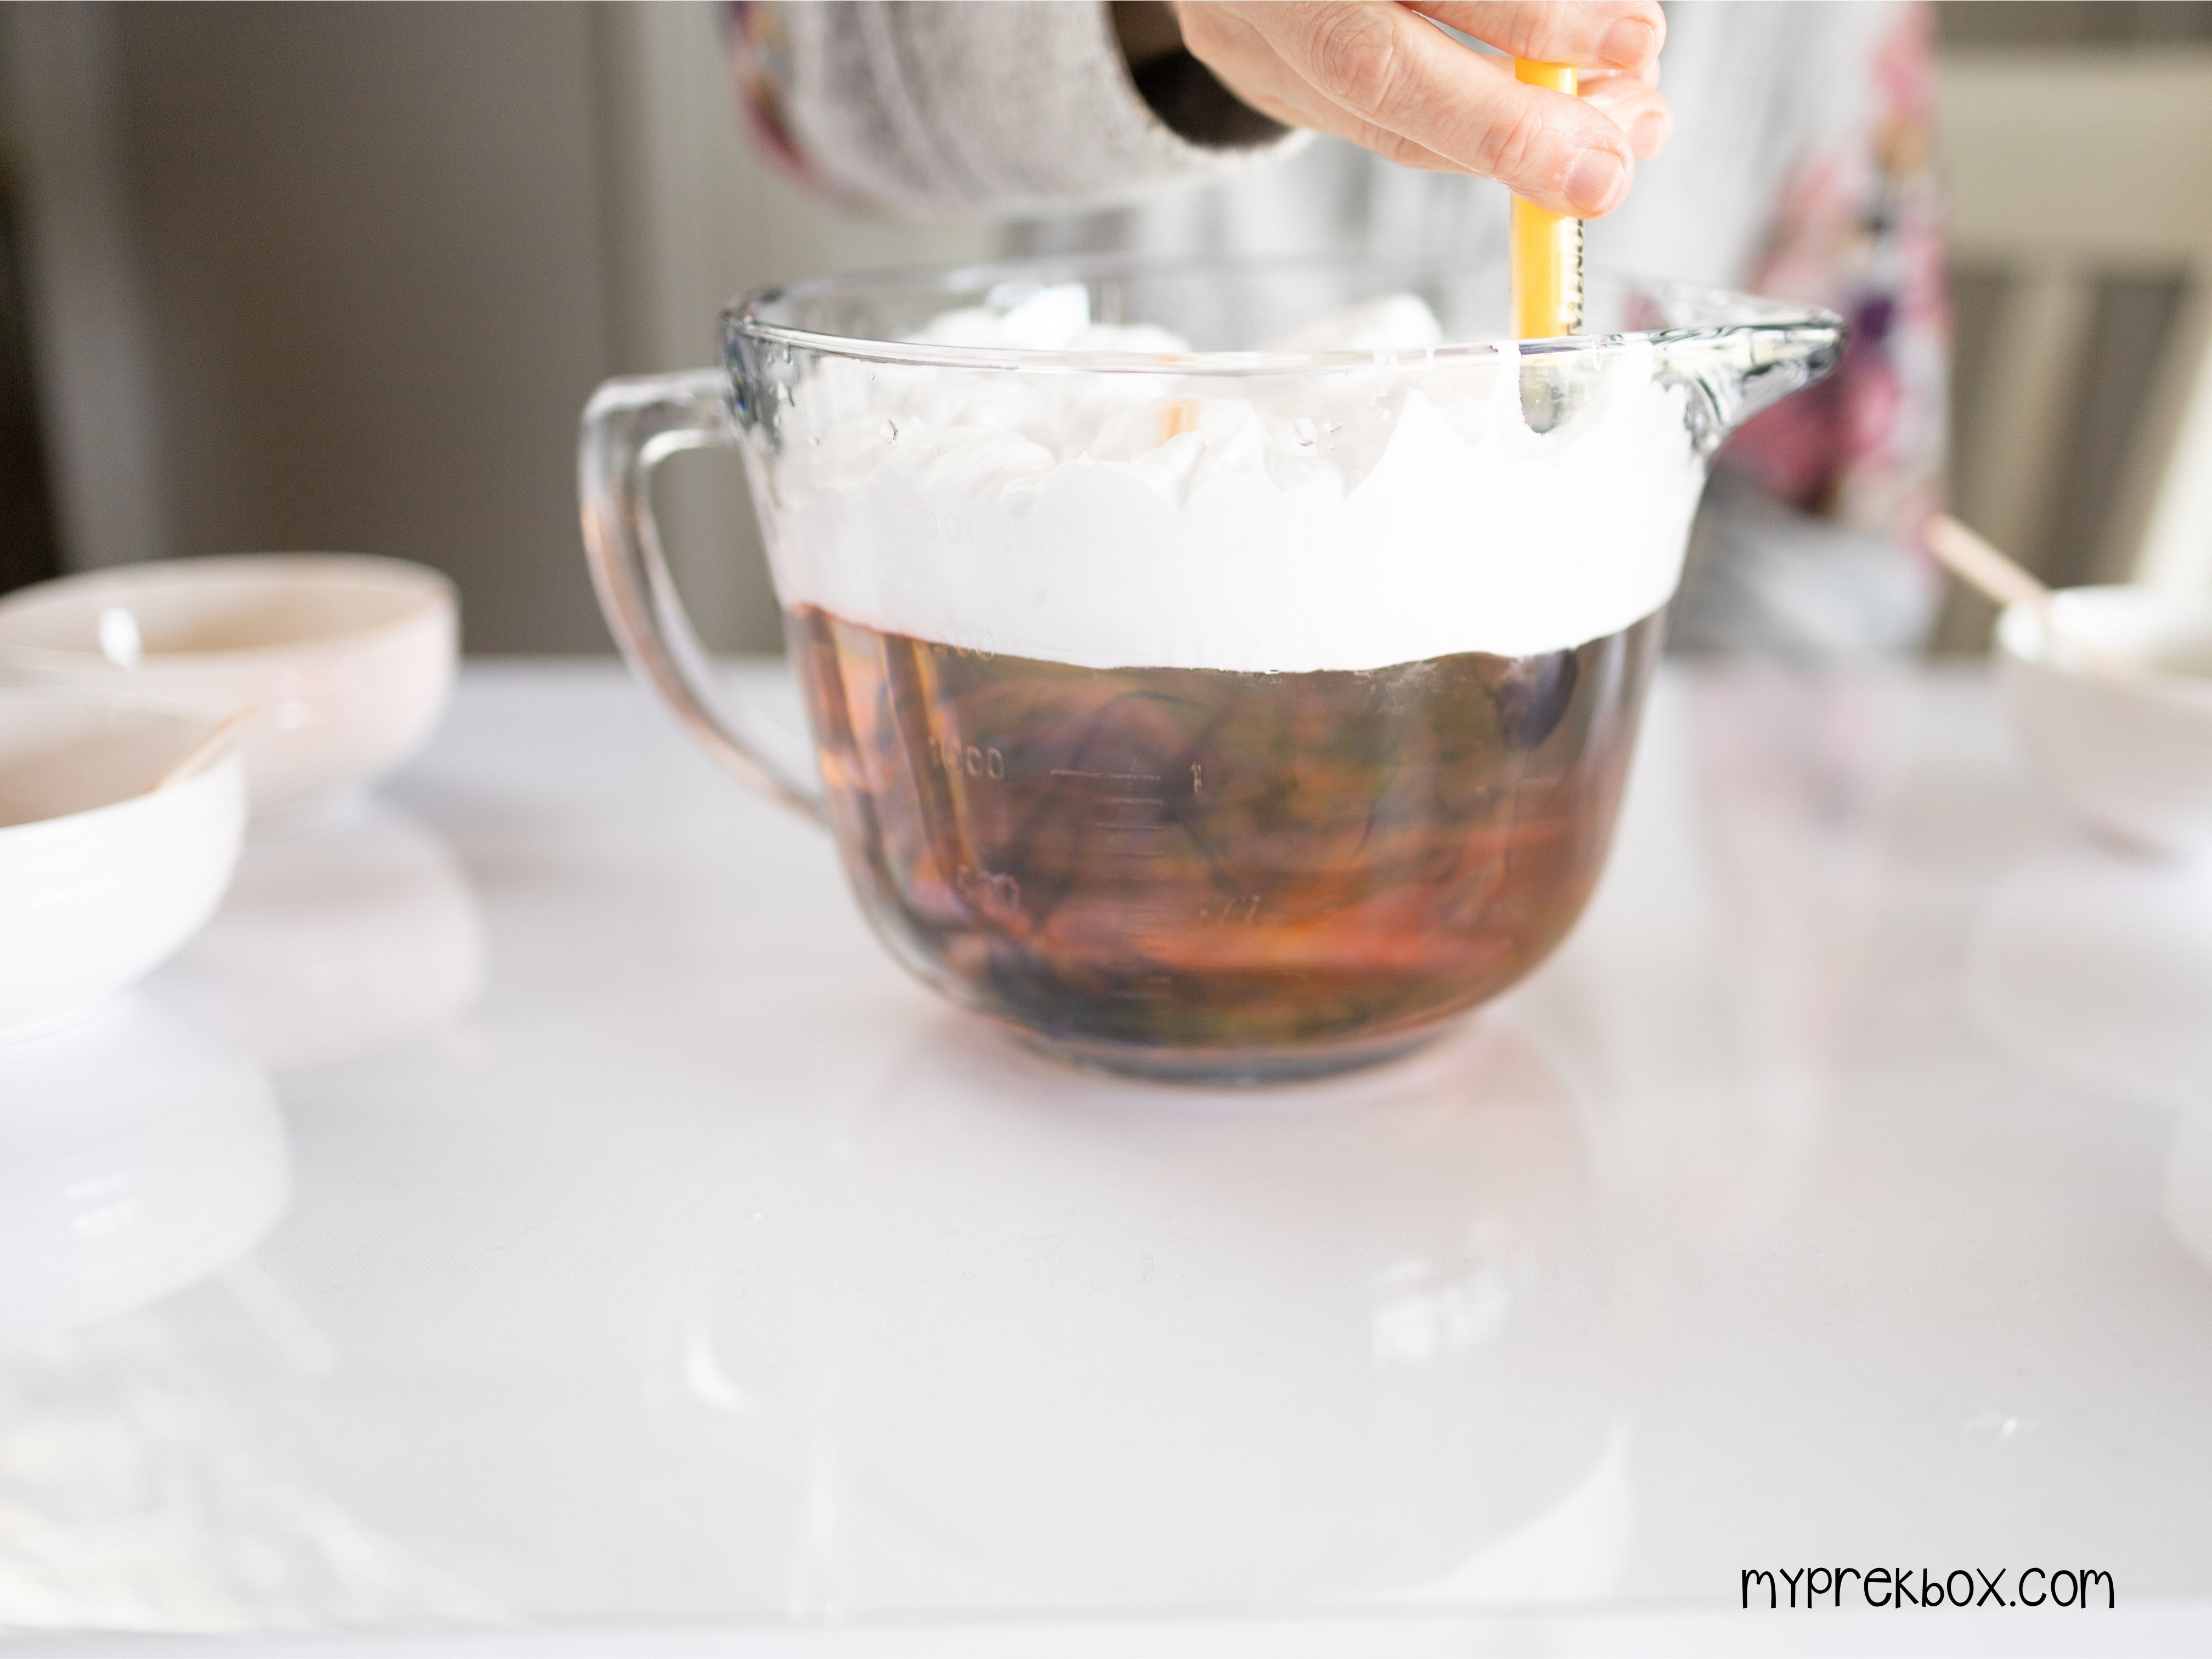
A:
1378	73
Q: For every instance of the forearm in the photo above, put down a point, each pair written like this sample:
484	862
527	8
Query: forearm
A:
933	106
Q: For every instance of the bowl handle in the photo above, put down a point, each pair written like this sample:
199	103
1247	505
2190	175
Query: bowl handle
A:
630	425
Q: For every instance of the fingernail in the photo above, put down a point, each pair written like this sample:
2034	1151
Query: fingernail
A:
1649	132
1629	44
1596	180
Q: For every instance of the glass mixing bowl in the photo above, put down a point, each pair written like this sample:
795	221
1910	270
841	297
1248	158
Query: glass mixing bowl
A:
1224	670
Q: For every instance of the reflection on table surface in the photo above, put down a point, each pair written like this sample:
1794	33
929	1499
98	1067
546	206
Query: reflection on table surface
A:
335	943
1824	1200
1358	1332
136	1155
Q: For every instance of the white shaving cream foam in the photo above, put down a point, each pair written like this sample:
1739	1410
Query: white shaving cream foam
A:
1345	519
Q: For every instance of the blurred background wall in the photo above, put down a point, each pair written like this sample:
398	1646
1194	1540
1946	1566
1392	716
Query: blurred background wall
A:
2077	139
341	276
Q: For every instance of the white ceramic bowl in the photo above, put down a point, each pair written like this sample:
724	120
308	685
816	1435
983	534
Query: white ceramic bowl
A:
350	658
100	880
2132	756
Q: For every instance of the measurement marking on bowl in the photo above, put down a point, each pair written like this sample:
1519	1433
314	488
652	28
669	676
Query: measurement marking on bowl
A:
977	761
1108	777
1128	852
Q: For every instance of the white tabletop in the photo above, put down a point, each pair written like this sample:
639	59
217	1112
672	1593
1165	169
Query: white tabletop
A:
635	1260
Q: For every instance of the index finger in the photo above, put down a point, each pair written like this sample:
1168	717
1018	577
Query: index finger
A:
1598	34
1388	67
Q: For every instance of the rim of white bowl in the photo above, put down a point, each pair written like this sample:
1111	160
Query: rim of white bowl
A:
432	589
146	702
2018	621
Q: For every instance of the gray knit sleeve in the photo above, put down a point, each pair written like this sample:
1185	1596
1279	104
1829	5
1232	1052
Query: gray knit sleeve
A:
935	106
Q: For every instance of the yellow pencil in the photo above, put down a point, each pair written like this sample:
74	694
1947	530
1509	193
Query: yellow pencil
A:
1547	247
